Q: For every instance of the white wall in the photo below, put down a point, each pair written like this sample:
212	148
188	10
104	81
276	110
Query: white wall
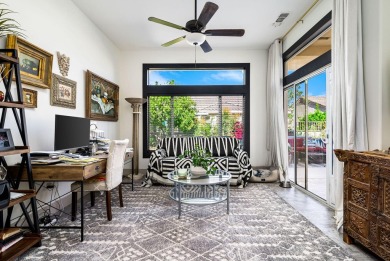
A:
372	70
48	25
376	57
385	61
60	26
131	82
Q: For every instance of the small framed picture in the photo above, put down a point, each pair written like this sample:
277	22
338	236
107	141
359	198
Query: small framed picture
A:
35	63
6	142
63	92
30	98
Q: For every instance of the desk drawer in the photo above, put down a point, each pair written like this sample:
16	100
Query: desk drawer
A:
94	169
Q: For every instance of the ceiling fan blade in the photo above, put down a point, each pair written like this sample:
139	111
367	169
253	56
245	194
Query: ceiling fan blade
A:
159	21
206	47
181	38
225	32
208	11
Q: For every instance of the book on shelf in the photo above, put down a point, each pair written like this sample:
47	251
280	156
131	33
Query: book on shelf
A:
10	243
10	236
8	232
15	195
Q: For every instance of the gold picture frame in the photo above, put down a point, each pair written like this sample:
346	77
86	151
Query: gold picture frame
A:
35	63
102	98
63	92
30	98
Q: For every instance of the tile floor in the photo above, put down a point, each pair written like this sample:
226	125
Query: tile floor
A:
322	217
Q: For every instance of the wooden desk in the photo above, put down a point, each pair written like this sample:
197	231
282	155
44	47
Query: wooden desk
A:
64	172
68	172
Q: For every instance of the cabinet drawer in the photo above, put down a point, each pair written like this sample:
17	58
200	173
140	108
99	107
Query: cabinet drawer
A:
359	171
94	169
358	225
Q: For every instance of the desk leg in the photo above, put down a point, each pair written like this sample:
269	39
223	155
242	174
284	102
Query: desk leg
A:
82	210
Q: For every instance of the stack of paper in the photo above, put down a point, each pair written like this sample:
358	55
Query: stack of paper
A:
78	160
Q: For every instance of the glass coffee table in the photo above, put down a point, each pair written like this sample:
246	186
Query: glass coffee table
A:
202	190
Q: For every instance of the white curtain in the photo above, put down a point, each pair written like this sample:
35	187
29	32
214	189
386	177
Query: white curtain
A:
276	130
349	127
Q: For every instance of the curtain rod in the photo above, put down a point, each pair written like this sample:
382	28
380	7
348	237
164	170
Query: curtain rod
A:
301	18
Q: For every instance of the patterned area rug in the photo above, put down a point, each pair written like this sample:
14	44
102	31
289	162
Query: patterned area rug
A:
261	226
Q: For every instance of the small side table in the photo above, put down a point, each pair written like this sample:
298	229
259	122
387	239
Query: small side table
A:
205	187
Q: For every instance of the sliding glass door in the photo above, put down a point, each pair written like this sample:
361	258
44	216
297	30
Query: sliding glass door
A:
307	132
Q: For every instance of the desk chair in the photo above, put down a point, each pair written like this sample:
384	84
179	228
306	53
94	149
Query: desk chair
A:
105	181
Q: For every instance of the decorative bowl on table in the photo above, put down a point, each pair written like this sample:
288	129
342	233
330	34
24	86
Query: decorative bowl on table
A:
198	172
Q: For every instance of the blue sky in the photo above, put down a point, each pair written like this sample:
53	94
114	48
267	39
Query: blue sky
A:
317	85
198	77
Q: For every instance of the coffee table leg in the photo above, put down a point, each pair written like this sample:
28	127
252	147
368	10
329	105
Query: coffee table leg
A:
179	201
228	195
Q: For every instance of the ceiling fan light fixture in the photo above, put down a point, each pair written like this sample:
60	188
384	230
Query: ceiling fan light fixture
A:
195	38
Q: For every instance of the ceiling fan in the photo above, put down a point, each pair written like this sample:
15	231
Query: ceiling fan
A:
195	28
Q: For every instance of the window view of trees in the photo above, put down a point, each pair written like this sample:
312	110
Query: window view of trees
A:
182	116
194	116
206	100
316	115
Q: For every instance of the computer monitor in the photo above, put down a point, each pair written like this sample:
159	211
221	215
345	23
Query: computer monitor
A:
71	132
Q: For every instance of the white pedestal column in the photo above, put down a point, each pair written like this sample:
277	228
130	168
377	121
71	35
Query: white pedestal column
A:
136	104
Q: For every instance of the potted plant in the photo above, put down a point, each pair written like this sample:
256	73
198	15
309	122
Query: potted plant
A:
9	25
201	161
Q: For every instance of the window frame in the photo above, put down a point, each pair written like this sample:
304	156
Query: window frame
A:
197	90
323	60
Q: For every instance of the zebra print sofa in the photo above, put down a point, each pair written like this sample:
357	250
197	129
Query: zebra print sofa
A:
226	152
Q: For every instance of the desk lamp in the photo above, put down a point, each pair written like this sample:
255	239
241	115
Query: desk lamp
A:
136	104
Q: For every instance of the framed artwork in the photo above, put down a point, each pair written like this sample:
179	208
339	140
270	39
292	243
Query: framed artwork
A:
30	98
102	98
63	92
35	63
6	141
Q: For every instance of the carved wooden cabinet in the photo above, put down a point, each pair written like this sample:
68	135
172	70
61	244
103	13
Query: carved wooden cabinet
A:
367	199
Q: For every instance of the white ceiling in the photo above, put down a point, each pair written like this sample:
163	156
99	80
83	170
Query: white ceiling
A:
126	23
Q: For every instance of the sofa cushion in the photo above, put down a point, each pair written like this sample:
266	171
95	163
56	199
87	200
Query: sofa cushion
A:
220	163
173	146
171	163
217	146
222	146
